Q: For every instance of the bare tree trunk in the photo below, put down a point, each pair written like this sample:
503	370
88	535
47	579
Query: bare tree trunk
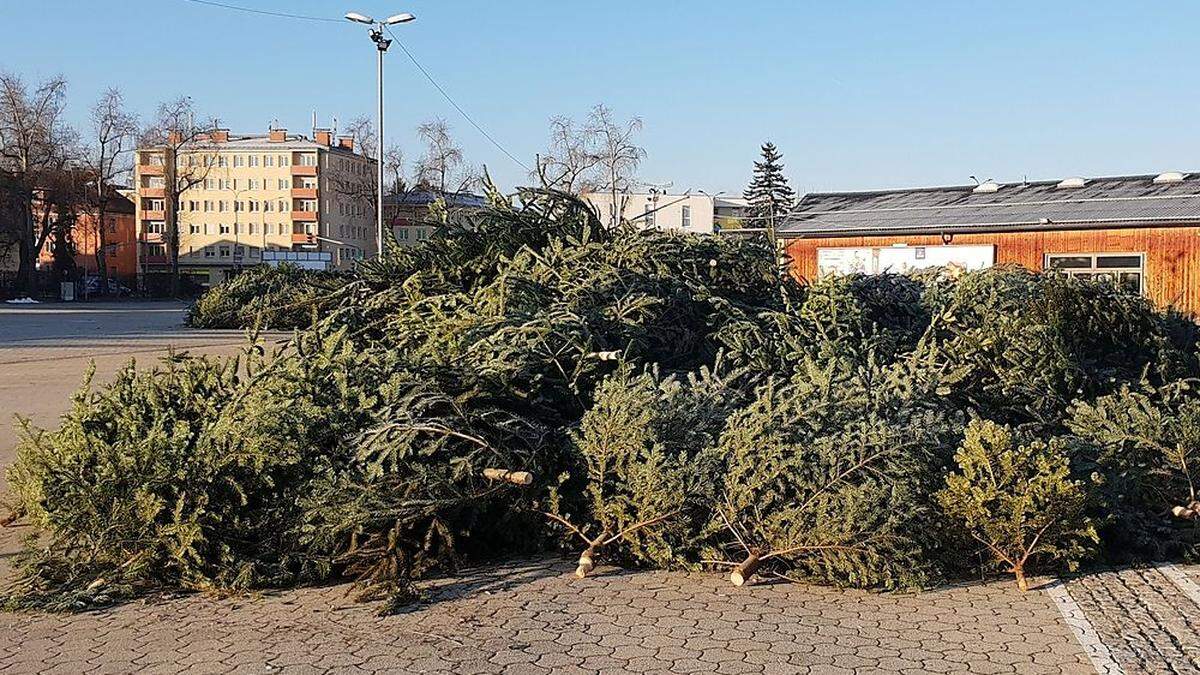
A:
102	245
170	159
1019	572
27	272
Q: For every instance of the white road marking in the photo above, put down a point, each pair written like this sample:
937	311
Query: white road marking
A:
1085	633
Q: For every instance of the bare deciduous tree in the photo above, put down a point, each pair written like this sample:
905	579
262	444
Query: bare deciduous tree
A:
599	155
188	153
571	160
620	157
393	168
362	130
35	144
109	158
442	167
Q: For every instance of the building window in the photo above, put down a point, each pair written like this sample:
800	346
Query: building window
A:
209	252
222	161
687	216
224	228
194	228
283	160
1126	269
253	160
238	161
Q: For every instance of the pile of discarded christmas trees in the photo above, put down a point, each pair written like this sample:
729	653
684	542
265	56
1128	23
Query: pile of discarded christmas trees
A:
529	379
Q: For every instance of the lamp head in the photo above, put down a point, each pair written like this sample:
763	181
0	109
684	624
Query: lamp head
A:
359	18
399	18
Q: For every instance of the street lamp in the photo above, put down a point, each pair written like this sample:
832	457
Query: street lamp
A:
381	44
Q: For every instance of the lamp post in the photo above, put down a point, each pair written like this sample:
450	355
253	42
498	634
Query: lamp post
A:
381	44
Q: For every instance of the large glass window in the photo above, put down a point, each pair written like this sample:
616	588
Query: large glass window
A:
1127	269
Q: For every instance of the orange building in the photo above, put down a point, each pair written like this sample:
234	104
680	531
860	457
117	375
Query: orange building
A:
120	237
1140	231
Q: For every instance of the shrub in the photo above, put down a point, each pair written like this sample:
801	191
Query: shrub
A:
829	475
1139	448
265	297
640	376
1035	342
651	475
1018	499
183	476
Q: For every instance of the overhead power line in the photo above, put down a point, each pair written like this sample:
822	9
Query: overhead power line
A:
267	12
452	102
411	57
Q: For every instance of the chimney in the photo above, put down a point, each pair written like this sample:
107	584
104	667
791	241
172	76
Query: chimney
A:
220	135
346	142
174	138
278	135
323	137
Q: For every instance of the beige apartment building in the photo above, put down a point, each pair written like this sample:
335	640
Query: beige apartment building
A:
687	212
277	192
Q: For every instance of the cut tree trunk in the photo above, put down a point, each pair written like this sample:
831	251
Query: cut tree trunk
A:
505	475
1022	582
742	573
587	559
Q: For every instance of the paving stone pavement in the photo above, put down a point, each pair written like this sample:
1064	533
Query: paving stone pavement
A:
534	617
1147	617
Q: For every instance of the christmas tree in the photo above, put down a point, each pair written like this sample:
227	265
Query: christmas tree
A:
770	196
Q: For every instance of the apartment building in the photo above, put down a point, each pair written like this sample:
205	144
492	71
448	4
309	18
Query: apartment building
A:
408	213
119	235
687	212
251	193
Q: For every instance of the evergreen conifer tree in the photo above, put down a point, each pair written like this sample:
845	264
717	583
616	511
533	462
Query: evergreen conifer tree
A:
770	196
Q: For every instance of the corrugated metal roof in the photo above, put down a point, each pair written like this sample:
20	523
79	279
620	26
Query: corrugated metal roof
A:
1042	205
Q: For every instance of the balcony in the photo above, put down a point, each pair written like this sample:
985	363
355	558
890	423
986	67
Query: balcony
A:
304	193
304	216
151	169
152	237
304	239
300	170
153	215
153	192
154	260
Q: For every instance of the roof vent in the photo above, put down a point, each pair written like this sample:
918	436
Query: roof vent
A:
1168	177
987	186
1072	182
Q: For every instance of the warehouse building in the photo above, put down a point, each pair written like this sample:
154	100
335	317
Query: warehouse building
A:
1141	231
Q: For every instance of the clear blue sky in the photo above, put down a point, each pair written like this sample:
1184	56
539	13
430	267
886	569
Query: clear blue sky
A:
857	95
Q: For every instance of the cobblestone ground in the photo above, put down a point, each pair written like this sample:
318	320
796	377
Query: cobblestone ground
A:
1147	619
534	617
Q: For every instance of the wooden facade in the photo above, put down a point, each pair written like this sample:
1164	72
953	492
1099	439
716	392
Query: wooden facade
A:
1172	254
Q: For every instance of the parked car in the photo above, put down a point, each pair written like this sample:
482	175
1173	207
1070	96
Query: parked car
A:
91	286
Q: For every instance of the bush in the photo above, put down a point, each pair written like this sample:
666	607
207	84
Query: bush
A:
1139	449
1032	343
667	381
183	476
651	478
1018	500
281	298
829	475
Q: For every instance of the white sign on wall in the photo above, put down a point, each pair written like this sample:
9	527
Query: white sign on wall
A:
901	259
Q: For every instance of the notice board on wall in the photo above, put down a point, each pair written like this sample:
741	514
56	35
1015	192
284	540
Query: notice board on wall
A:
900	259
